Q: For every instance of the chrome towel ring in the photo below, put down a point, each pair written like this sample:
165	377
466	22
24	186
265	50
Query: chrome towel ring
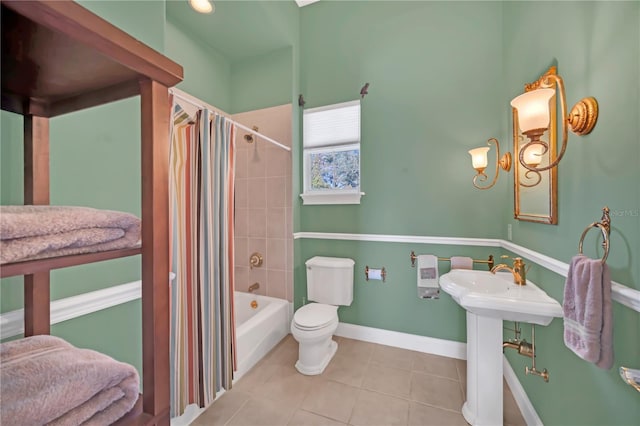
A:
605	227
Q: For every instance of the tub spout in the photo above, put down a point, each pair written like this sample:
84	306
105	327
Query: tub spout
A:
253	287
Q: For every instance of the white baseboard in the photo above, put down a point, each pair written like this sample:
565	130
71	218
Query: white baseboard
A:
397	339
527	409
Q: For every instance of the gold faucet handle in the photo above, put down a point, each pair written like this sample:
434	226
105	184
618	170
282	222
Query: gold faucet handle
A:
517	261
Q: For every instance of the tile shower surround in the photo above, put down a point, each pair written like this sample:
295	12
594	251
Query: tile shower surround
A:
365	384
263	205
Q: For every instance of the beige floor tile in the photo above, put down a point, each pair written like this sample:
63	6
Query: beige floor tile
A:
357	349
393	357
275	393
331	399
286	386
261	412
435	365
346	369
285	353
436	391
425	415
305	418
222	409
373	408
258	375
392	381
511	412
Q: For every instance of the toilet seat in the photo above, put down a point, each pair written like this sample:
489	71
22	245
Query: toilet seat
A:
315	316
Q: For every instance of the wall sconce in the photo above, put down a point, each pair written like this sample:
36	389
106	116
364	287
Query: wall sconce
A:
533	118
202	6
479	161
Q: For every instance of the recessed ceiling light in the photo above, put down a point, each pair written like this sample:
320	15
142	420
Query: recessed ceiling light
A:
202	6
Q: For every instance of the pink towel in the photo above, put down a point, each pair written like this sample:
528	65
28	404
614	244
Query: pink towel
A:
588	320
46	380
36	232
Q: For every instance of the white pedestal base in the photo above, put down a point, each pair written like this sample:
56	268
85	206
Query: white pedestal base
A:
484	371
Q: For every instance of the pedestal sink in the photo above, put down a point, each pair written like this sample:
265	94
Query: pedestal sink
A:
490	299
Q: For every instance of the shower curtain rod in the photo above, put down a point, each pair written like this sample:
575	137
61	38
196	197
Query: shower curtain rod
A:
201	104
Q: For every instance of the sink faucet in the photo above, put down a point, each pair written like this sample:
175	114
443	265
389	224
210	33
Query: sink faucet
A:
253	287
518	270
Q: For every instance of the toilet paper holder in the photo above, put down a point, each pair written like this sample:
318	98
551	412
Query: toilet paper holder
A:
376	273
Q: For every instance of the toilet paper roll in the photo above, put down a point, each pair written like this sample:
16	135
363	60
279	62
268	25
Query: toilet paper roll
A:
375	274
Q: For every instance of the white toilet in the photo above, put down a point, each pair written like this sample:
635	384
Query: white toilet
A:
329	283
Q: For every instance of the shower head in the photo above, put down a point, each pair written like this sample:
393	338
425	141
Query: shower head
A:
249	137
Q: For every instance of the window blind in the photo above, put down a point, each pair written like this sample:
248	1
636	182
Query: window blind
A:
332	125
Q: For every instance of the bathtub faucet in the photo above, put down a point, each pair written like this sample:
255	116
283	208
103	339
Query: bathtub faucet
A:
253	287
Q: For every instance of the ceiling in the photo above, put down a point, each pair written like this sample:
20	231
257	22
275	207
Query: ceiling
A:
239	29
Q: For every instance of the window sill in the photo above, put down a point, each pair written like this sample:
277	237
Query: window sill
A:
316	198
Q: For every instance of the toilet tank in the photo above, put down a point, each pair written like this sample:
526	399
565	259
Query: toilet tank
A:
330	280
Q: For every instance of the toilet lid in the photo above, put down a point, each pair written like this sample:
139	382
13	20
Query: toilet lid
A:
315	315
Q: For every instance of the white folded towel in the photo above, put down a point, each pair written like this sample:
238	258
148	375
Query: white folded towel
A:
428	285
461	262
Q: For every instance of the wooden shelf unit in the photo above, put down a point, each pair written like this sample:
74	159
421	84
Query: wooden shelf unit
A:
58	57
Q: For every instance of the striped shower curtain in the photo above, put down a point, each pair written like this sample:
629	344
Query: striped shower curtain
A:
201	202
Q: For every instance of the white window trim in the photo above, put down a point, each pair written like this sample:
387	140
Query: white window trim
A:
330	196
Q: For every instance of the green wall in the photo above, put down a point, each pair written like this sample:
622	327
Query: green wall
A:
262	81
442	75
207	73
425	108
596	47
435	81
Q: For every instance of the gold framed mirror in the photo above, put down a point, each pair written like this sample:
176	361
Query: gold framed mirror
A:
536	193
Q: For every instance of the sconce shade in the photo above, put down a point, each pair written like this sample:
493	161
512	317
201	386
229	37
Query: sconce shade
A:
533	109
533	155
202	6
479	157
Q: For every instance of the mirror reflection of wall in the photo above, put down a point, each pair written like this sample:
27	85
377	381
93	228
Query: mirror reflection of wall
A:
535	193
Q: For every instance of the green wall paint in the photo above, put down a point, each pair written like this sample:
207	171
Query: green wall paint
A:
207	74
127	15
262	81
603	60
435	92
442	75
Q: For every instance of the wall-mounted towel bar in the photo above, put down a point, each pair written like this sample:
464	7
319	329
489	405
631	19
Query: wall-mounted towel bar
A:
489	261
605	227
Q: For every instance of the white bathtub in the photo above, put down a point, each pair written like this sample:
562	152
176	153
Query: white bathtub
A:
258	330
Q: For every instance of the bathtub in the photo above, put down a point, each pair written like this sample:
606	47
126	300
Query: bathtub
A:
258	330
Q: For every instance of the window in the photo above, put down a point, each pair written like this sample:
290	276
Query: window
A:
331	141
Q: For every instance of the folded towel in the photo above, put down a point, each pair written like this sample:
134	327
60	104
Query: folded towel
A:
461	262
588	319
45	380
35	232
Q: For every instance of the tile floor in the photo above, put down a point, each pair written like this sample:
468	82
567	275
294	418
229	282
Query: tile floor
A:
365	384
